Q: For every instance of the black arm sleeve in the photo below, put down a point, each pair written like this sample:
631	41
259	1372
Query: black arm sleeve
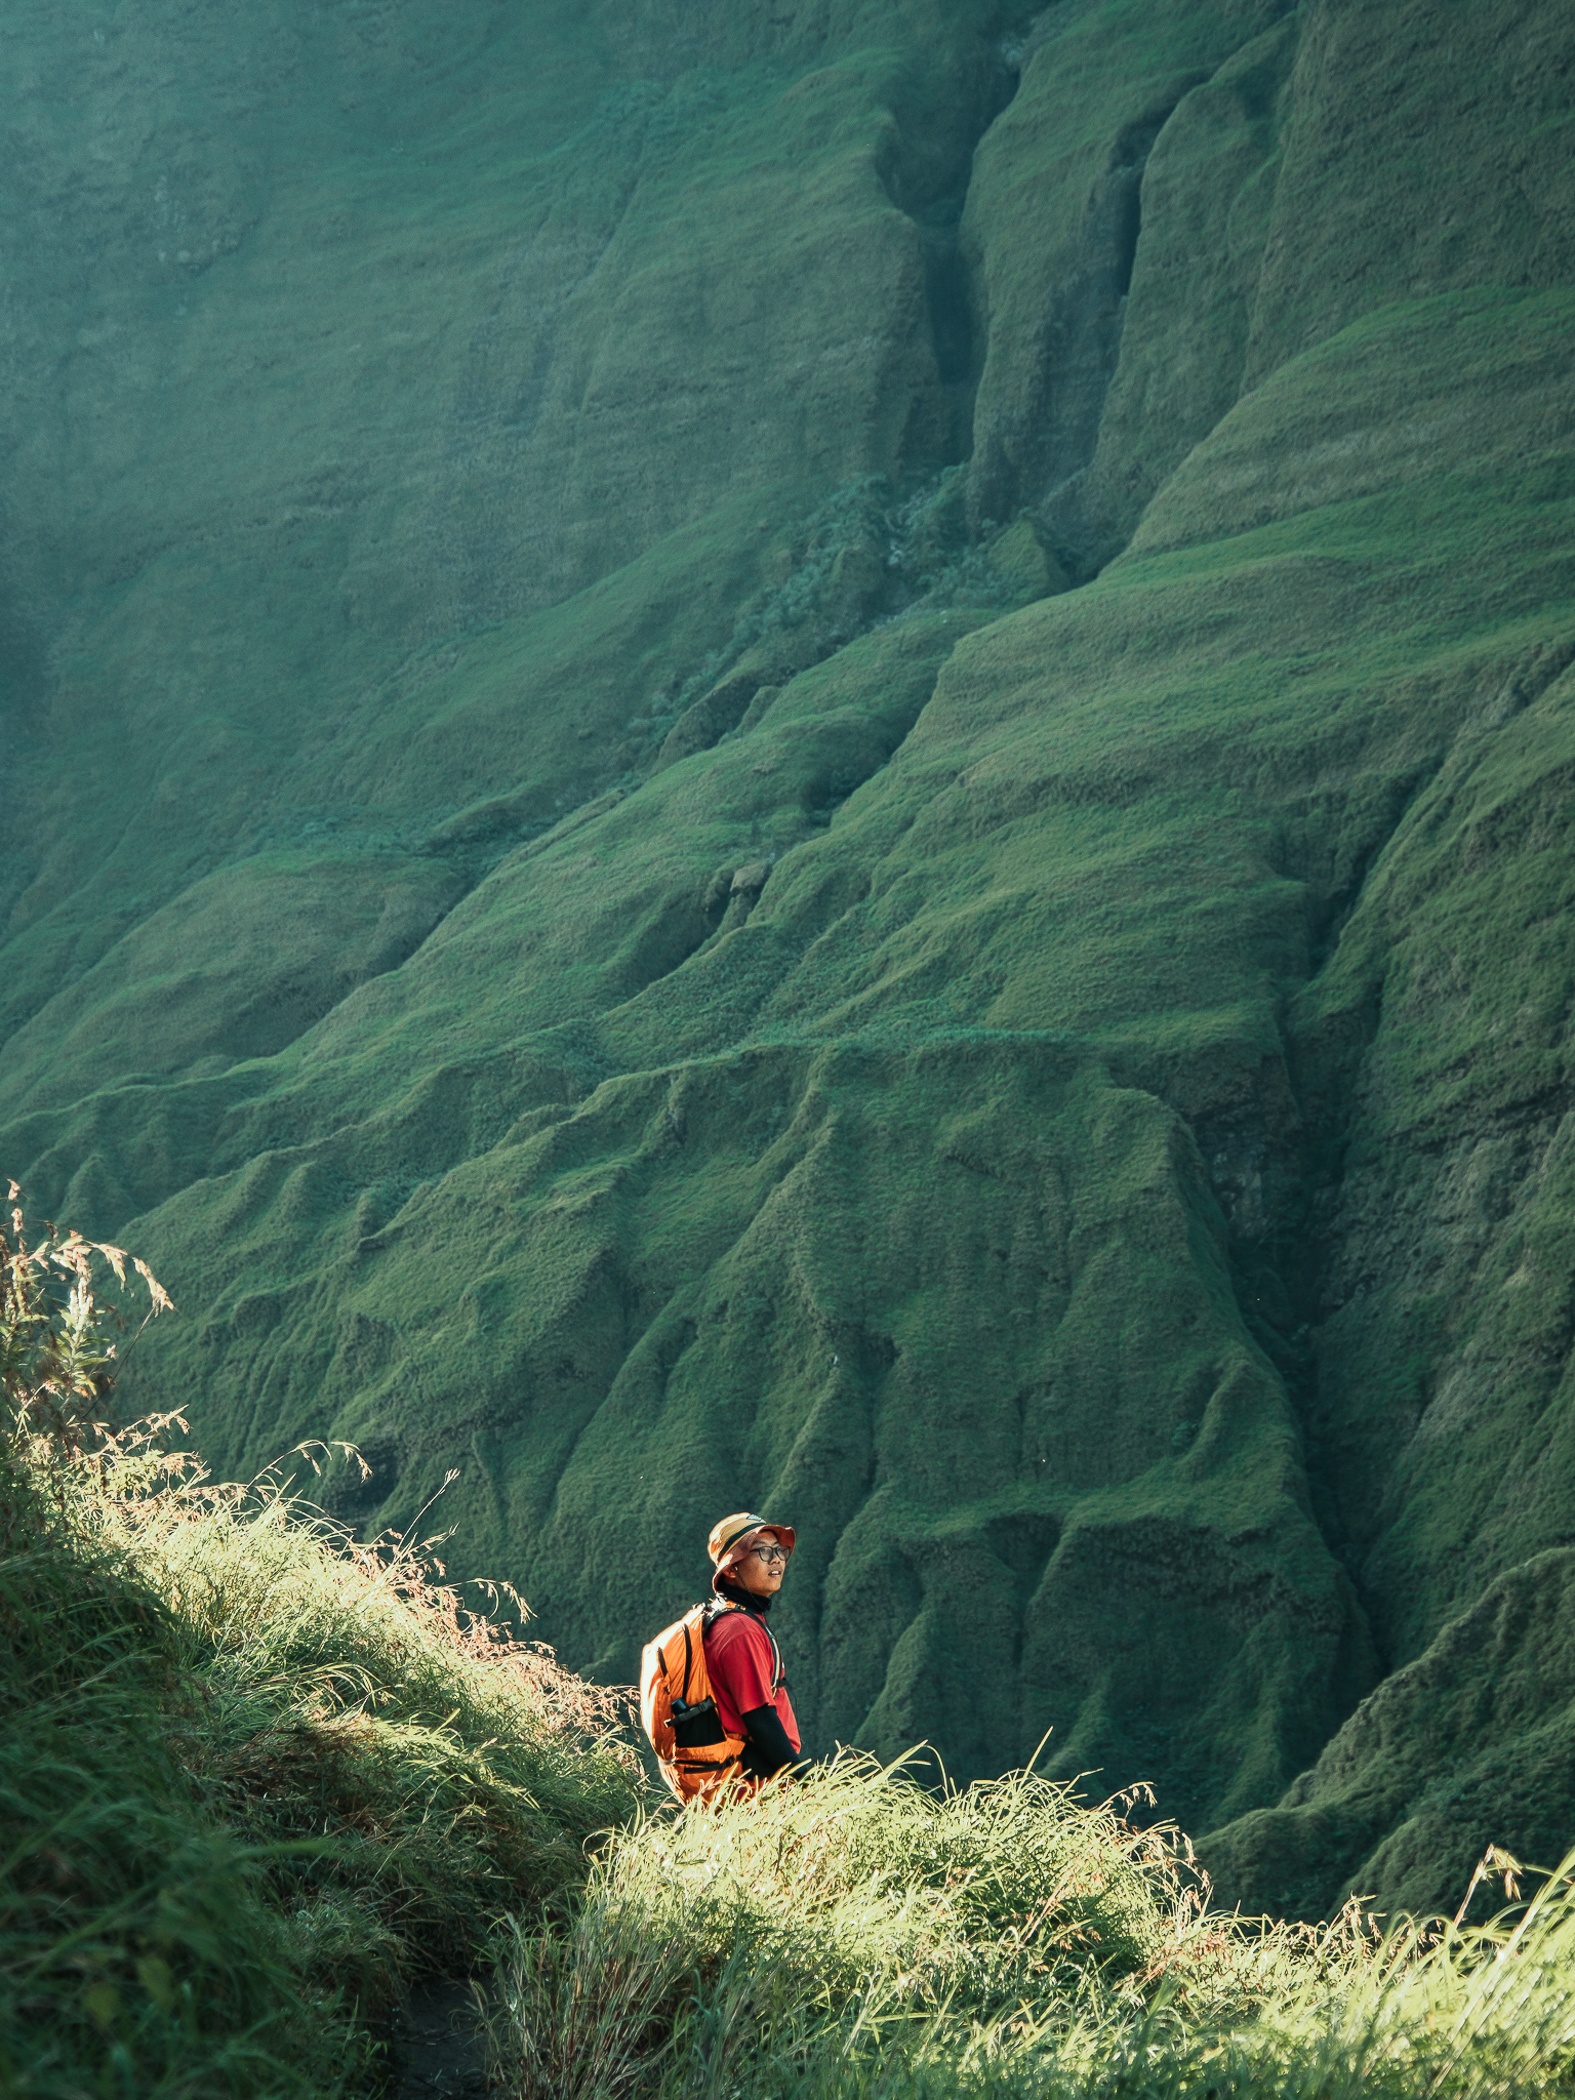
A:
767	1749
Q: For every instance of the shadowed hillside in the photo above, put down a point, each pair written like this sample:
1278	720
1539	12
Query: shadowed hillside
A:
819	755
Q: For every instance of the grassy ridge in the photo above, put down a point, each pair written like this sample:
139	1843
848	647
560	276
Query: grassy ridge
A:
254	1780
254	1784
257	1783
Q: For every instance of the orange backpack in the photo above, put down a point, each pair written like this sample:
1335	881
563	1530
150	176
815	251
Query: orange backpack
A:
698	1758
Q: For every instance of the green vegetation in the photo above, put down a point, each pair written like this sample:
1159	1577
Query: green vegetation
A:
860	1936
826	763
259	1781
254	1781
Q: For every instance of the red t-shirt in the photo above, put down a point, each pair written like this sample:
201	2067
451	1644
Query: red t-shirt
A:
740	1662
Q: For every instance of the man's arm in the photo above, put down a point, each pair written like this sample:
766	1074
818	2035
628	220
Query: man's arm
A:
768	1749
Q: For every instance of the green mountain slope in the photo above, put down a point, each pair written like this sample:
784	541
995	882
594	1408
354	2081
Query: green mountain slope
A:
819	756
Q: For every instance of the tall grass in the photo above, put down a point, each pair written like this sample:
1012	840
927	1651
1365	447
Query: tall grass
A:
254	1777
860	1937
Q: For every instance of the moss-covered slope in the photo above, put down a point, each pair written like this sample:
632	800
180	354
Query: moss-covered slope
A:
1476	1734
818	755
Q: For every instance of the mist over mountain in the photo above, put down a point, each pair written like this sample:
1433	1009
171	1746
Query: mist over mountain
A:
817	755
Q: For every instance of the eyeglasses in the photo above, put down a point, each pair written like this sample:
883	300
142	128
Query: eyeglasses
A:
769	1554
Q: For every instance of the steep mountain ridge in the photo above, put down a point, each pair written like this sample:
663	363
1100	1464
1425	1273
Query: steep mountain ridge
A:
684	963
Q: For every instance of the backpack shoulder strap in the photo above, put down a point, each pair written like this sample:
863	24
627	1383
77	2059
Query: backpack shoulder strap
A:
689	1653
718	1607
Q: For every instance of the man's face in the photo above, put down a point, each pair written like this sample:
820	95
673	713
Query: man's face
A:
761	1566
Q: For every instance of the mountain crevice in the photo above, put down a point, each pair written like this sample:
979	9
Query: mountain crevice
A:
1076	352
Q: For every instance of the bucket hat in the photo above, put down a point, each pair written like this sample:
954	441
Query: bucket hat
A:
731	1531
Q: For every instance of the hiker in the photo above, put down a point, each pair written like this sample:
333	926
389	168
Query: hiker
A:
713	1693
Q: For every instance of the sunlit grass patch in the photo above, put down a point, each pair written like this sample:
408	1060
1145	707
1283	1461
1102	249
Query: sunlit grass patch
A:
860	1935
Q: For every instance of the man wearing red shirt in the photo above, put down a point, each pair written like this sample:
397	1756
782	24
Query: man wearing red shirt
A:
741	1655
